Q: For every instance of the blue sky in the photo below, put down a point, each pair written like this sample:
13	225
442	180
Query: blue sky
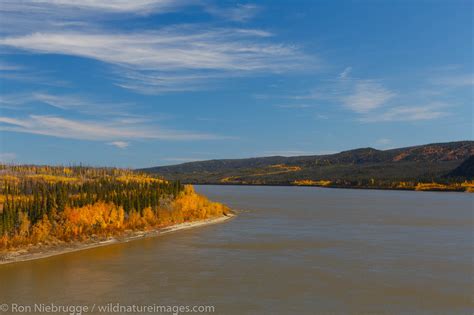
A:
154	82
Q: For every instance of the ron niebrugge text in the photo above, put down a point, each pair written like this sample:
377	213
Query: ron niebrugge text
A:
104	308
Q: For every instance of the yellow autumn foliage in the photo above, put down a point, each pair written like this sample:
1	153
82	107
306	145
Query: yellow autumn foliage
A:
52	178
135	221
309	182
98	218
9	178
139	178
16	198
193	206
468	185
431	186
103	219
4	241
286	168
41	230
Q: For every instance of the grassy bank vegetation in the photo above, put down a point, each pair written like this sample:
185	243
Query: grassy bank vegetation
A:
467	186
43	205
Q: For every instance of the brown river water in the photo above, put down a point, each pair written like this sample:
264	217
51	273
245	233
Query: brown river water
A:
290	250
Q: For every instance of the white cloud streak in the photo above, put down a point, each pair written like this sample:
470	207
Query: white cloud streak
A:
81	8
170	59
119	144
344	74
4	66
47	13
406	113
65	102
163	50
383	141
294	106
135	6
367	96
94	130
373	102
460	80
62	102
150	61
240	12
360	96
27	16
15	72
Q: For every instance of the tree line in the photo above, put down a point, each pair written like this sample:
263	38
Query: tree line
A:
46	203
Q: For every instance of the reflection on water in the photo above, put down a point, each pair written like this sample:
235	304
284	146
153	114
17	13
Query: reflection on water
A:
291	250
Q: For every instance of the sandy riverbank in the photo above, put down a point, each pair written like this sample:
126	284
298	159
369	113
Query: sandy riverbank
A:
59	249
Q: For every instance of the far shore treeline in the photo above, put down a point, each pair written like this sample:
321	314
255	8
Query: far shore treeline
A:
46	205
435	167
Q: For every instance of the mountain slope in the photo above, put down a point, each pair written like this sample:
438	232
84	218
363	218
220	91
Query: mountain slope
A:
465	170
354	167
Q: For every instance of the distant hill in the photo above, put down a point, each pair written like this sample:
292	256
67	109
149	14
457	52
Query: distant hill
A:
465	170
359	167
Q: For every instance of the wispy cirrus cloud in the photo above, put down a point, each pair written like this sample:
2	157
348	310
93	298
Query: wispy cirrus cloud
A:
383	141
358	95
321	117
66	102
16	72
372	101
240	12
30	15
407	113
119	144
172	58
149	61
111	130
294	106
156	82
344	74
168	49
5	66
366	96
81	8
62	101
136	6
98	120
454	80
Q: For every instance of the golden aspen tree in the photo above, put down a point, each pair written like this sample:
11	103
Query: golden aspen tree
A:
41	230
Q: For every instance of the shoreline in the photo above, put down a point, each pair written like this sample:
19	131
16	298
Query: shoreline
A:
64	248
333	187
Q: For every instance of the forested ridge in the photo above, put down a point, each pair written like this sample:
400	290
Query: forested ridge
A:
423	167
46	205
